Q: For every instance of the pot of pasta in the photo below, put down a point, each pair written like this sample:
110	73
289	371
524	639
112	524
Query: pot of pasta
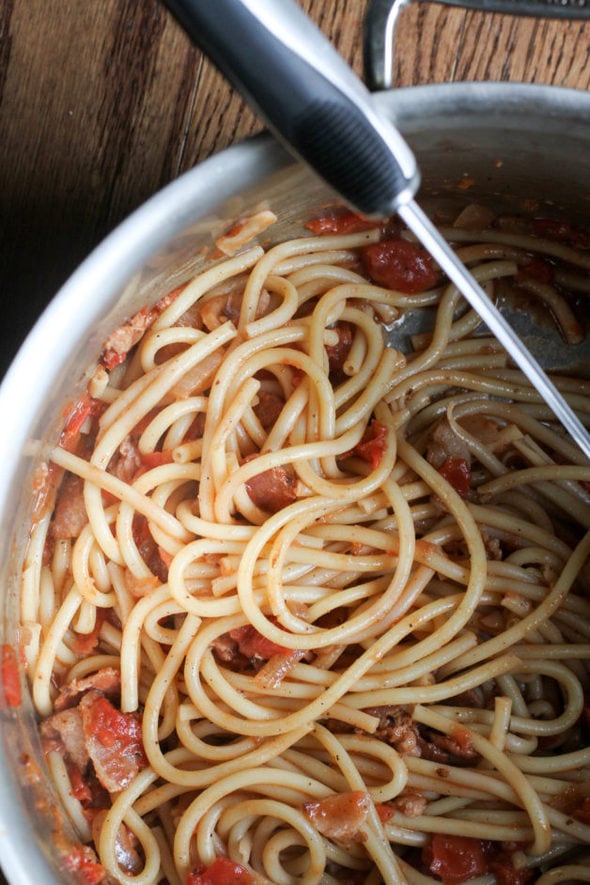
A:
295	563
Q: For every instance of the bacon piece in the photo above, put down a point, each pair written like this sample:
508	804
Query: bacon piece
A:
120	342
338	353
456	747
127	462
150	553
63	732
113	740
244	230
107	681
396	727
268	408
70	509
226	649
272	489
126	844
444	445
340	816
411	804
277	667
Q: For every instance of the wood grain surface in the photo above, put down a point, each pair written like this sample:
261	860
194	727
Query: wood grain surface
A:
102	102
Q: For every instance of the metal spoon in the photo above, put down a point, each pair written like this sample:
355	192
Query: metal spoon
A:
313	101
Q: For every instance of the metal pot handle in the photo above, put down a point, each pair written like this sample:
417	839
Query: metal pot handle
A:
382	17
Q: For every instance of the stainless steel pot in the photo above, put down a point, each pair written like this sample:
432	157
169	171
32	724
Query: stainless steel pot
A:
514	147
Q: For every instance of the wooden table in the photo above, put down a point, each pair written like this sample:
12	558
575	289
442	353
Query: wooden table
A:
102	102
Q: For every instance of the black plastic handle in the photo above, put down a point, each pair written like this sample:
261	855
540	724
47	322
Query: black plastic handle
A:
307	94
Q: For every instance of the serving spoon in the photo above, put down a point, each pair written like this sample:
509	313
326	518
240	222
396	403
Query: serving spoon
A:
316	105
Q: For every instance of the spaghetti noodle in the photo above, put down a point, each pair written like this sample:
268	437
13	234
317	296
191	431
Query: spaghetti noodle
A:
301	607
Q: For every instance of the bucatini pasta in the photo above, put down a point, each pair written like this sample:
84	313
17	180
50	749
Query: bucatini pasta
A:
303	606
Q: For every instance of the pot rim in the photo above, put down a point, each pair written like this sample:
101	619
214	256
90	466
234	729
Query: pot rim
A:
97	282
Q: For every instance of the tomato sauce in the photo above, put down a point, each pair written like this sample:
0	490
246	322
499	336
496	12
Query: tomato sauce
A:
401	265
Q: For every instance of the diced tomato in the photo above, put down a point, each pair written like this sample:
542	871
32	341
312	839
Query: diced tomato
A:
457	471
156	459
582	812
253	644
10	676
82	861
463	738
222	871
401	265
507	874
455	859
339	221
114	742
340	816
86	407
373	444
109	726
85	643
538	269
562	231
385	812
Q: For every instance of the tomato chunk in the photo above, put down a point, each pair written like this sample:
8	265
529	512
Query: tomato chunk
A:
86	407
340	816
538	269
373	444
82	861
457	472
253	644
10	676
562	231
339	221
401	265
114	742
456	859
222	871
